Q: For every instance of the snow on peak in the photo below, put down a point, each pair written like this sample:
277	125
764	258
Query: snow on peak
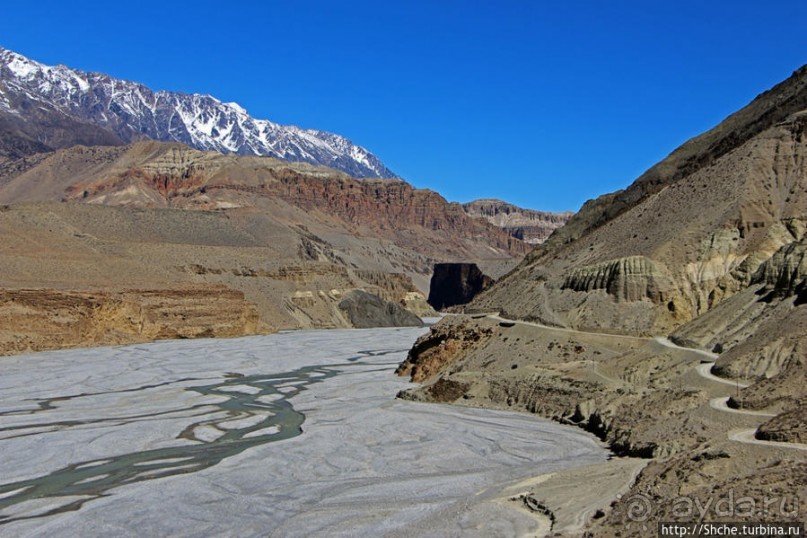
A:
21	66
238	108
133	111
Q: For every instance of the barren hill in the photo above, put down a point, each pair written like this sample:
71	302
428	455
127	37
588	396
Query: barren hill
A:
708	247
291	237
686	240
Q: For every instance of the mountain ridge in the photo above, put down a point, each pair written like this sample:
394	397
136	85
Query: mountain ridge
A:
530	225
765	110
113	111
316	216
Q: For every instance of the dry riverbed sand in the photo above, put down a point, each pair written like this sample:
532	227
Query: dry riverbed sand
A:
200	438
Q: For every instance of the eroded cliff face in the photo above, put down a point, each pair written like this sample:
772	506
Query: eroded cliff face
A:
397	288
445	344
677	253
161	175
456	284
41	319
294	238
627	279
760	332
785	273
532	227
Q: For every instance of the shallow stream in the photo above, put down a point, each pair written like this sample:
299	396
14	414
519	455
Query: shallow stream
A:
293	434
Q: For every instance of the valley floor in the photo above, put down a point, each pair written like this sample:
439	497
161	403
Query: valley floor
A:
292	434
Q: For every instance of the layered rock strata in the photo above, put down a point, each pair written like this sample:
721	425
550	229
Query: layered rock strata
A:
531	226
41	319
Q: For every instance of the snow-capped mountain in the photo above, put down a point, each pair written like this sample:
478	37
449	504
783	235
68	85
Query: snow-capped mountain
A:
61	97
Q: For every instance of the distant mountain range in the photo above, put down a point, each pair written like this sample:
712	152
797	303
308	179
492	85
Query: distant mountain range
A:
43	108
529	225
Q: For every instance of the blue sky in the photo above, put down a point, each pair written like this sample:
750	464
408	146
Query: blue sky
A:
542	103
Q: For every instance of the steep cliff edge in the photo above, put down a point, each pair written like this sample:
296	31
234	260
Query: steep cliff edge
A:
42	319
456	284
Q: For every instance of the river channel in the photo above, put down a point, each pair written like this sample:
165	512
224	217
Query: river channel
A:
293	434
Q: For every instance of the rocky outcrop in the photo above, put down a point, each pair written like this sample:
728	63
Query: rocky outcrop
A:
398	288
531	226
787	427
627	279
416	302
456	284
785	273
41	319
440	348
760	330
365	310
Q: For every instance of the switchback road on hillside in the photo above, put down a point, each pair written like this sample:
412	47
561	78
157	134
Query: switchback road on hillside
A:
704	369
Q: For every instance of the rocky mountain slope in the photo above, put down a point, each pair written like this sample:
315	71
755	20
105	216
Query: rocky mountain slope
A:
83	274
160	175
707	247
678	251
51	107
531	226
294	239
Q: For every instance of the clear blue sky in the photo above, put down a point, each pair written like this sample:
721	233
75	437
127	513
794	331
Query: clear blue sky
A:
542	103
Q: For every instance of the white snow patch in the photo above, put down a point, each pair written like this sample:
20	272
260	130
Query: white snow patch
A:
238	108
22	67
